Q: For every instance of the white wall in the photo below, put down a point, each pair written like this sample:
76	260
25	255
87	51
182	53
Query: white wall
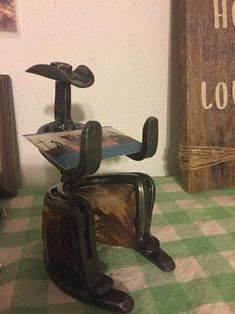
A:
124	42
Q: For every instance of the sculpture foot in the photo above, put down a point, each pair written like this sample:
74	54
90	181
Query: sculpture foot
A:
114	300
149	247
161	259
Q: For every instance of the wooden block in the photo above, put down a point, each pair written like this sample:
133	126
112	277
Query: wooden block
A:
114	210
9	158
208	88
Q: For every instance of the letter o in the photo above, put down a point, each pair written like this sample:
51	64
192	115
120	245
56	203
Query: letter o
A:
221	87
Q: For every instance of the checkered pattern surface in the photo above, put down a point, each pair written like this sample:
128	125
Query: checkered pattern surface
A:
197	230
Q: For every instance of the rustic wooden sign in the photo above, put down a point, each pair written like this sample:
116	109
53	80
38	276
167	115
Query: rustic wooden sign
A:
208	59
9	161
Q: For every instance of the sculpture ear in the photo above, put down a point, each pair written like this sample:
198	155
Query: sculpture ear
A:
82	76
50	71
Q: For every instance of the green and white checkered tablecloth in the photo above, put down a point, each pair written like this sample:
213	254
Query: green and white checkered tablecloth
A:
197	230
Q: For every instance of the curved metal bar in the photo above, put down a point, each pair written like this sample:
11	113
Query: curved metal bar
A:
151	199
149	140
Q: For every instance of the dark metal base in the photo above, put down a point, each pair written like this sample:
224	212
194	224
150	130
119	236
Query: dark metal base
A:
102	294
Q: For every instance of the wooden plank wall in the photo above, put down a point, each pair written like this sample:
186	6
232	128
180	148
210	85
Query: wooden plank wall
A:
208	86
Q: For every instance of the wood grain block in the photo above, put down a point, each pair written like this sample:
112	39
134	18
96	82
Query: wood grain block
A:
114	210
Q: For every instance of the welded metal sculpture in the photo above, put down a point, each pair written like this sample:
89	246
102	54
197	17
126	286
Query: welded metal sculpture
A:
68	218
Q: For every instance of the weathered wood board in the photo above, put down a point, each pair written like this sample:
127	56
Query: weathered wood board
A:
114	217
9	159
114	210
208	86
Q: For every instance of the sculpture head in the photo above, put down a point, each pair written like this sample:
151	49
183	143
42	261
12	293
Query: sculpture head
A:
64	76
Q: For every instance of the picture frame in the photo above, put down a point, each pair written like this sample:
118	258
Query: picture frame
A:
7	16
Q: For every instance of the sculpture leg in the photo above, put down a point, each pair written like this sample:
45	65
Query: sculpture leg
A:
146	244
70	252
